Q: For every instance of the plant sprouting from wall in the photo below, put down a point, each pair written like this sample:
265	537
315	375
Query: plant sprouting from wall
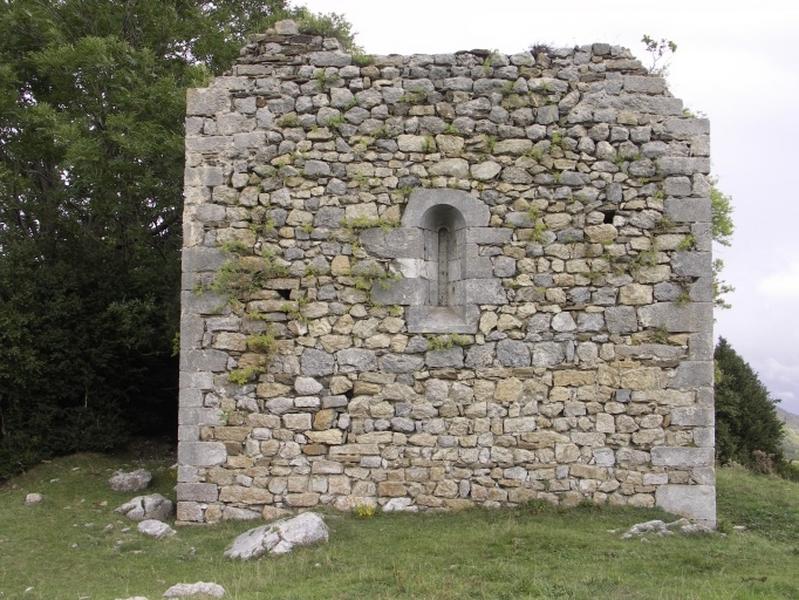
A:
660	52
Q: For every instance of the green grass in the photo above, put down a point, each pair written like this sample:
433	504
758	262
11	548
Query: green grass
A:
61	548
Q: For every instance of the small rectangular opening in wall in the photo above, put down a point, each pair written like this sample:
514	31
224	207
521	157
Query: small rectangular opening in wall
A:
609	214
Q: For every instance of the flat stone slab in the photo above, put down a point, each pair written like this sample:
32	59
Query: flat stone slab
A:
200	590
280	537
661	528
155	529
152	506
130	481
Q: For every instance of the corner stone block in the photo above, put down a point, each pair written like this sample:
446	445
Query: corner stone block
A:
202	454
189	512
688	210
684	129
201	304
206	102
691	374
197	492
693	501
691	264
199	416
202	259
692	416
195	380
677	318
682	456
204	360
204	176
682	165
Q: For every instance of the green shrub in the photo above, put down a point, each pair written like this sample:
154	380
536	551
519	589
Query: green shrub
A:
748	430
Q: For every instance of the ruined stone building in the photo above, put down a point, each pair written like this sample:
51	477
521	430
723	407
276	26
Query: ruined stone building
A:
438	281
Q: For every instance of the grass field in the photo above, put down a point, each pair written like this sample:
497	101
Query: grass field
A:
65	549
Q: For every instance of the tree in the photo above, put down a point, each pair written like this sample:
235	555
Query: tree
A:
747	425
91	162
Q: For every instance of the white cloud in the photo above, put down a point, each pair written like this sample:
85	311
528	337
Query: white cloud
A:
782	284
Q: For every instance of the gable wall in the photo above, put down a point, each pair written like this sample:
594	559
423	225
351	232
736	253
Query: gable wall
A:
586	366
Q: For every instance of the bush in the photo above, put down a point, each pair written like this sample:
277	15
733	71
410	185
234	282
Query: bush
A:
748	430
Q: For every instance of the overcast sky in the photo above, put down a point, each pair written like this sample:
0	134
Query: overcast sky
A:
736	62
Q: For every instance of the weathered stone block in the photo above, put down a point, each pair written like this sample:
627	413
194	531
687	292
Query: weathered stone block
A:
512	353
621	319
316	363
197	492
693	501
692	416
684	457
675	317
201	454
688	210
206	102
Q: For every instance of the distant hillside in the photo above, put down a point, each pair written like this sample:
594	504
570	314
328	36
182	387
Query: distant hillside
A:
791	441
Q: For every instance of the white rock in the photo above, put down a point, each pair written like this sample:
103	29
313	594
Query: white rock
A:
307	386
286	27
133	598
201	589
152	506
131	481
155	528
279	537
485	170
400	505
658	527
33	498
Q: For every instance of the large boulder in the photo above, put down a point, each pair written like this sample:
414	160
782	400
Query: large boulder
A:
279	537
130	481
155	528
199	591
152	506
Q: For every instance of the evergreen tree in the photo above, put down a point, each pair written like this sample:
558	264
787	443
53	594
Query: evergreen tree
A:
92	102
746	419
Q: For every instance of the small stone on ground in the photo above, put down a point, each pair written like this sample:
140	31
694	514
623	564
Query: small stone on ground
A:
33	498
152	506
198	590
661	528
131	481
155	528
279	537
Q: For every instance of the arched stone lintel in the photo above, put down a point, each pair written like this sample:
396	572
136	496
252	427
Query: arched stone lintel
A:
473	211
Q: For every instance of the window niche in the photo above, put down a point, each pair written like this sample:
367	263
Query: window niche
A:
447	269
444	232
443	277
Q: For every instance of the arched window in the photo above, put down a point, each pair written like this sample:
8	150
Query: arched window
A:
445	278
444	230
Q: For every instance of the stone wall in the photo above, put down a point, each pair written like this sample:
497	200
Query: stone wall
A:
434	281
